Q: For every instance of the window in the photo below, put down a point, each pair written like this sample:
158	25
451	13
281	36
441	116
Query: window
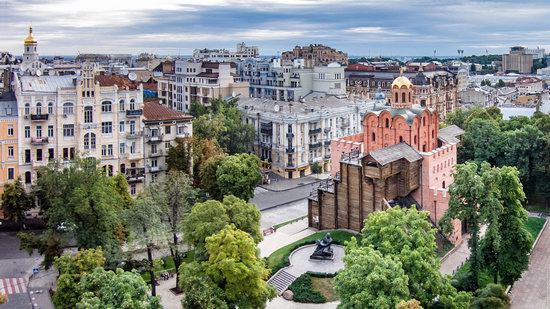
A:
39	108
133	189
400	139
167	145
154	148
106	107
154	163
403	97
132	127
373	136
72	152
132	104
89	141
133	147
103	150
27	108
181	130
28	177
50	131
50	108
11	173
88	114
27	156
65	154
68	130
51	154
167	129
154	132
121	127
10	151
123	168
121	148
443	185
68	108
110	149
107	127
38	131
121	105
39	154
396	97
387	123
10	129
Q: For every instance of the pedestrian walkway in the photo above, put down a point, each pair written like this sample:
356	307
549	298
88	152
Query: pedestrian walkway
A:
284	236
168	299
532	290
13	285
452	262
279	183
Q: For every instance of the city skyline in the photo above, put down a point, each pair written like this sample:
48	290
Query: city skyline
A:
373	28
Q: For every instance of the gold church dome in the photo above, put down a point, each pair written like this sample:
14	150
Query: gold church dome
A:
401	81
30	39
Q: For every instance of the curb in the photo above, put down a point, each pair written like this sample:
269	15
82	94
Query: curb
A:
288	189
287	202
451	251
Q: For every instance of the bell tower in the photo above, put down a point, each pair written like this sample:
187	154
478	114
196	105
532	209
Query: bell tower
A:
30	52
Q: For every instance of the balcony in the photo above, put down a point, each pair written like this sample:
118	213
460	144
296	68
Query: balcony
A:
315	131
135	174
327	157
267	131
315	145
134	112
290	150
88	126
290	165
290	135
156	154
155	169
39	117
327	143
134	134
39	140
155	139
265	145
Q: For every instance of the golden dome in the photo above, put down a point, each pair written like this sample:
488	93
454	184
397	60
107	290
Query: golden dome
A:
30	39
401	81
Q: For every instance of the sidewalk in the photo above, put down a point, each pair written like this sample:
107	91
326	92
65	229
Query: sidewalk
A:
38	289
167	298
280	184
458	255
284	236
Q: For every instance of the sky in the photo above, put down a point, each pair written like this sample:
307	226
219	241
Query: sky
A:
358	27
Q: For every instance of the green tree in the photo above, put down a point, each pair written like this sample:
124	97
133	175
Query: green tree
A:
410	304
118	289
245	216
493	296
15	201
481	142
316	168
522	148
205	219
473	199
370	279
179	156
501	83
199	289
48	244
120	184
203	149
207	176
234	265
71	270
197	109
238	175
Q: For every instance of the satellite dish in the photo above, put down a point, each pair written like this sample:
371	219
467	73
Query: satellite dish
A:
38	72
124	71
276	107
132	76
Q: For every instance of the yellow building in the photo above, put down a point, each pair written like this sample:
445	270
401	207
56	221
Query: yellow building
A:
9	170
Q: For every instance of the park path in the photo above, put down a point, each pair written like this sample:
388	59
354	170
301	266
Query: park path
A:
532	291
283	236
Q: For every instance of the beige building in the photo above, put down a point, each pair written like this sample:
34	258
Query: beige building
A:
316	55
163	126
517	61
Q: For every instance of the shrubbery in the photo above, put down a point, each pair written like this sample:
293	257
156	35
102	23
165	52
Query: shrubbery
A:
304	292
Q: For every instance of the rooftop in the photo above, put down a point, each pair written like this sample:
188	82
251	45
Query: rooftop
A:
154	111
307	106
120	81
46	83
450	134
395	152
8	105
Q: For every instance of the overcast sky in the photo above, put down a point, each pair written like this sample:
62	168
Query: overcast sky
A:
359	27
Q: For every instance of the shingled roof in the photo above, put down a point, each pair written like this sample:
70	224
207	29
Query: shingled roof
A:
450	134
120	81
395	152
154	111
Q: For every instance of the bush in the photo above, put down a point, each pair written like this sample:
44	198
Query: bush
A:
316	168
304	292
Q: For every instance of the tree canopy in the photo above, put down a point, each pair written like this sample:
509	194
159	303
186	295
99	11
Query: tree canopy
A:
238	175
15	201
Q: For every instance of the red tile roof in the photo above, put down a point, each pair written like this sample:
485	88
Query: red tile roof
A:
359	67
154	111
120	81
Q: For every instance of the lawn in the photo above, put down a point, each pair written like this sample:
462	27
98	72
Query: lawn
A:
314	288
538	208
279	258
534	225
325	286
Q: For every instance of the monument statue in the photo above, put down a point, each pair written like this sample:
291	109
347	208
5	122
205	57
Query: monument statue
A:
323	250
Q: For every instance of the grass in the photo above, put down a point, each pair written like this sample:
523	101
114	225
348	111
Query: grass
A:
279	258
534	225
444	248
277	226
169	265
325	286
304	292
538	208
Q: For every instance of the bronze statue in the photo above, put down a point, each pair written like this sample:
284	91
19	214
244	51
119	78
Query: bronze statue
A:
323	250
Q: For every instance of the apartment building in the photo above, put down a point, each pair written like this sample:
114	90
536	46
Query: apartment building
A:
9	170
206	80
242	51
291	136
316	55
282	80
162	126
518	60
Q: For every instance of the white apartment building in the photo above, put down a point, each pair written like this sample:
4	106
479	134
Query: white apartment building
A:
163	126
291	136
291	80
243	51
206	80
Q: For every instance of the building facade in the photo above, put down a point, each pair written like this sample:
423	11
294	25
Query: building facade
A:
9	170
243	51
316	55
518	60
290	137
401	157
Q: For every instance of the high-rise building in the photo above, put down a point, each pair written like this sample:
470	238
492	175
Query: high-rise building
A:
517	61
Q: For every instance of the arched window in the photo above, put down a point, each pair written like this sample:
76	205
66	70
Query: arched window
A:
403	97
50	108
396	97
106	107
88	114
387	123
27	108
39	108
424	121
132	104
414	138
89	141
68	108
373	136
121	105
443	185
410	99
400	139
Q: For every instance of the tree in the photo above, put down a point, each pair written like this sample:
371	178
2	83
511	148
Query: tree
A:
316	168
179	157
481	142
205	219
238	175
245	216
199	290
120	184
207	176
118	289
15	201
48	244
473	70
203	149
410	304
370	279
522	148
71	269
501	83
473	199
493	296
145	224
234	265
197	109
